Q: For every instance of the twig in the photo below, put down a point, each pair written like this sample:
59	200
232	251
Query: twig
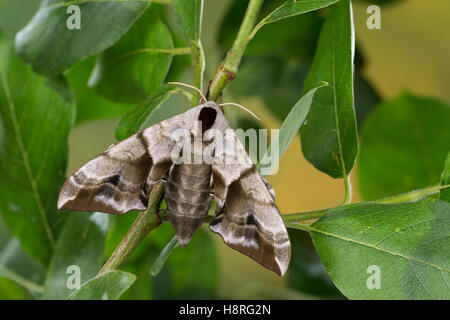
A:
226	71
144	223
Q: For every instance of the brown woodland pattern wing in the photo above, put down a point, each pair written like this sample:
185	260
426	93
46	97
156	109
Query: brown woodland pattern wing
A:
246	216
121	178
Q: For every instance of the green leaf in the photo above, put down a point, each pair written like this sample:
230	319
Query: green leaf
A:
109	286
134	119
289	129
50	47
306	272
404	143
292	8
81	244
407	243
180	62
5	235
10	290
90	105
329	136
445	180
278	84
189	16
164	255
16	265
34	122
294	46
135	66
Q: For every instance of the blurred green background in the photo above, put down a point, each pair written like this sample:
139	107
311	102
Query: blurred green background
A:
410	52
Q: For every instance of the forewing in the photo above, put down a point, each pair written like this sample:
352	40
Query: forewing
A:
246	216
120	179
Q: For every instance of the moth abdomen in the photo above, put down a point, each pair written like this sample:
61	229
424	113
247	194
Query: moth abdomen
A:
188	198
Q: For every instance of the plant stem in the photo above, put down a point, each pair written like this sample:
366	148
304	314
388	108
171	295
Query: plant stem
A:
291	217
145	222
348	190
198	67
298	226
226	71
197	59
413	195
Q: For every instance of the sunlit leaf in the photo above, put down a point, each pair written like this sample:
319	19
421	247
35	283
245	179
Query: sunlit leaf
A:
329	135
63	46
404	245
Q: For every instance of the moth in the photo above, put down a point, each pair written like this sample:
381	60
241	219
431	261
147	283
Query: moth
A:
121	178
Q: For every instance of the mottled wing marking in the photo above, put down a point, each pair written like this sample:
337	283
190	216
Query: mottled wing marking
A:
246	216
120	179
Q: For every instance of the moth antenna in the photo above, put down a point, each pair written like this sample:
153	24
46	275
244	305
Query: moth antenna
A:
192	87
238	105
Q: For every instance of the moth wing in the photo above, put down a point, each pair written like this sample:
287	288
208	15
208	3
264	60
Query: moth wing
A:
246	216
121	178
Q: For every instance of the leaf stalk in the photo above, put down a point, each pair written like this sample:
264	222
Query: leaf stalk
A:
145	222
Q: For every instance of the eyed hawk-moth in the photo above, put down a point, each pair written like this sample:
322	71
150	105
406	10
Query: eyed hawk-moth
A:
120	180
